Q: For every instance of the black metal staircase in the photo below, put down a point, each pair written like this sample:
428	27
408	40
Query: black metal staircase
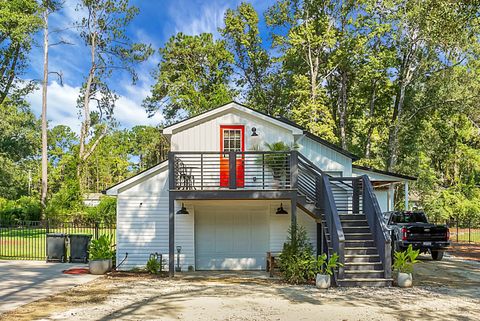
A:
352	224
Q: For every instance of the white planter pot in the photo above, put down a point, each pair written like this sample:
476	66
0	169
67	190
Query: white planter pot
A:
99	267
323	281
404	280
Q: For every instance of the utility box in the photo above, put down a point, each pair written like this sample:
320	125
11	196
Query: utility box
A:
56	247
79	244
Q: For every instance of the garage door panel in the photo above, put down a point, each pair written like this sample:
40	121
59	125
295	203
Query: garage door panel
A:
236	240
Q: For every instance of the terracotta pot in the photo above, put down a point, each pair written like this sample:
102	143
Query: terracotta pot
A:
99	267
323	281
404	280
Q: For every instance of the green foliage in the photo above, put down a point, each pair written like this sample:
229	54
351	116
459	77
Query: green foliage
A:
105	212
327	266
404	260
192	76
101	248
277	163
26	208
153	265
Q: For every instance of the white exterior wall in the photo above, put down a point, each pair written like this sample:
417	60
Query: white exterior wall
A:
142	220
325	158
382	198
205	136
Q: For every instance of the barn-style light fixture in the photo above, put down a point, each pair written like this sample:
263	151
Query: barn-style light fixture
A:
183	210
281	210
254	132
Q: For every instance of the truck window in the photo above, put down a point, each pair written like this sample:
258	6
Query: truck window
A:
410	217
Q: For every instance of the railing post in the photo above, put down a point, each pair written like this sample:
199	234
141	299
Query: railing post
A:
171	170
232	170
201	171
356	196
96	231
293	169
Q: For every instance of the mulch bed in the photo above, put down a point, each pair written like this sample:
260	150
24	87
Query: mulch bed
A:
468	251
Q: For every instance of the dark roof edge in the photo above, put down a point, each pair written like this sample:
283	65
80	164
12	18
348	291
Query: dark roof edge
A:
411	178
330	145
139	173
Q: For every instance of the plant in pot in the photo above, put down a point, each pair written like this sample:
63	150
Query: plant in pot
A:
403	265
325	268
101	255
277	161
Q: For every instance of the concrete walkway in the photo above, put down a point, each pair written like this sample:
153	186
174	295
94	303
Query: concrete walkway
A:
22	282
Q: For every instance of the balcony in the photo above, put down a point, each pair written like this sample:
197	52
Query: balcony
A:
233	171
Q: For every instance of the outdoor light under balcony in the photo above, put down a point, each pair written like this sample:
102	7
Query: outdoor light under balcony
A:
281	210
183	210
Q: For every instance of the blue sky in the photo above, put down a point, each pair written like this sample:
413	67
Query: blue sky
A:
157	21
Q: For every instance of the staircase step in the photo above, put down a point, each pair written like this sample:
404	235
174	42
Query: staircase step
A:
353	223
360	250
356	229
366	274
363	266
358	236
350	217
362	258
365	282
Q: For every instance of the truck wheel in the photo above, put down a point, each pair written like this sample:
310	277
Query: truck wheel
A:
437	255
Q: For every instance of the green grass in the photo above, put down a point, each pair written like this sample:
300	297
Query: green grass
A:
463	235
31	243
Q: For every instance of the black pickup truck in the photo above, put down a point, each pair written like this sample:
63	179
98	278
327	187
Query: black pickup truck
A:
413	228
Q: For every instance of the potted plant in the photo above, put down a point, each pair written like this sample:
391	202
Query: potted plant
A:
325	268
403	265
277	162
101	255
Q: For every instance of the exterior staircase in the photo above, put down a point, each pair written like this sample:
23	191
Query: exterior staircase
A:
351	224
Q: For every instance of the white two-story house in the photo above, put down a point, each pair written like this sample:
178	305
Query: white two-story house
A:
223	199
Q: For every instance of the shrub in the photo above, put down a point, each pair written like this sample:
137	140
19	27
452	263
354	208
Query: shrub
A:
26	208
297	262
404	260
101	248
153	265
105	211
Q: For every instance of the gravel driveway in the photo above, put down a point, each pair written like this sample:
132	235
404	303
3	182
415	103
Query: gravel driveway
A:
447	290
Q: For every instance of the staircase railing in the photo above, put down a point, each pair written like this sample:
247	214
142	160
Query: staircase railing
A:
315	184
381	237
337	238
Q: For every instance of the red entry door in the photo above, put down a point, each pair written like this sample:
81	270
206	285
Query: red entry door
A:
232	139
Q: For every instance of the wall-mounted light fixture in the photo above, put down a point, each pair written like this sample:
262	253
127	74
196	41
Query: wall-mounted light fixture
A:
183	210
254	132
281	210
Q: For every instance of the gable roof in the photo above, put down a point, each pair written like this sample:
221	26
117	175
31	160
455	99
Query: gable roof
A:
281	121
226	107
113	190
374	170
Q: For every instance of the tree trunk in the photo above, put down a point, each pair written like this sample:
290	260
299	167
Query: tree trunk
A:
368	145
44	187
395	128
342	108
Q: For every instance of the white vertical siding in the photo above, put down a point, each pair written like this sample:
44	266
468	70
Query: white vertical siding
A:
185	236
324	157
279	225
206	135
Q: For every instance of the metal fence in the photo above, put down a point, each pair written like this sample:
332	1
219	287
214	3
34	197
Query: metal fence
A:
27	240
462	232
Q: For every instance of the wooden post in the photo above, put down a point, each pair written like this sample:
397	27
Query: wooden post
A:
293	169
171	170
356	196
232	170
171	235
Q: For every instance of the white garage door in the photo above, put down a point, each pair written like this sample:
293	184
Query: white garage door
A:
230	239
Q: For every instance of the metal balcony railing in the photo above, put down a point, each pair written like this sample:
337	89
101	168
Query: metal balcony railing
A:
254	170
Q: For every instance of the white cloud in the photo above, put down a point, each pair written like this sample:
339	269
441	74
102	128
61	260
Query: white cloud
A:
195	19
62	110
